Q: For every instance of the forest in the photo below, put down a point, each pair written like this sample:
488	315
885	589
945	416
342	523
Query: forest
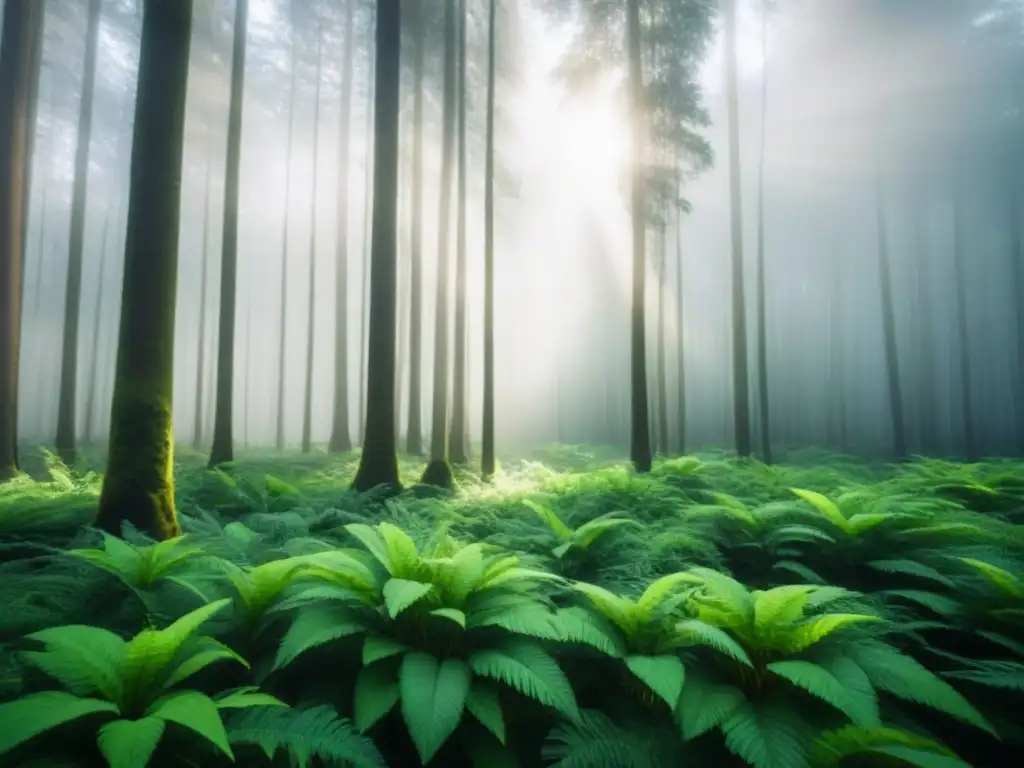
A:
511	383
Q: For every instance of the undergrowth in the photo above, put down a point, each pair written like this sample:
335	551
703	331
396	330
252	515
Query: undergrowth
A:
570	613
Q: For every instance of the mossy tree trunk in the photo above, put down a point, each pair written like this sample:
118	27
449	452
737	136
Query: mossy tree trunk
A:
341	439
139	484
307	397
67	400
438	471
20	54
223	423
458	445
487	460
414	428
740	375
640	431
378	464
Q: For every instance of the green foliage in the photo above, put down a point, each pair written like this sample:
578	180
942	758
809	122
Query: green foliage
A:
702	614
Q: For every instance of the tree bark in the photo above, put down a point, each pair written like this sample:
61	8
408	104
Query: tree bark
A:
139	483
20	53
414	430
378	464
762	315
222	450
197	427
458	447
341	440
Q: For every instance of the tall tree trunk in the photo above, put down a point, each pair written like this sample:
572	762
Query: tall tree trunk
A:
892	364
341	440
414	430
762	314
222	450
197	427
438	471
20	51
458	448
378	464
740	374
680	335
66	404
1017	276
364	300
962	326
837	348
640	431
660	351
283	321
487	461
307	405
928	409
139	483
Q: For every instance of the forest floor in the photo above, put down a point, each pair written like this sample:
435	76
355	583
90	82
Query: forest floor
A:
570	613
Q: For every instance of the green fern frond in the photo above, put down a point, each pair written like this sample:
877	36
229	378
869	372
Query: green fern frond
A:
884	744
595	741
529	669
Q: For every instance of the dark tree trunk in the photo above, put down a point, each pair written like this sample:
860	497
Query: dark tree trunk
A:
364	300
341	440
139	483
283	321
660	351
640	431
414	430
962	326
20	52
487	461
438	471
681	338
458	447
740	374
197	427
222	450
762	314
892	363
378	464
307	401
928	409
66	404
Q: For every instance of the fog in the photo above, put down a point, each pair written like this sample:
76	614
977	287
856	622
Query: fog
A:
917	104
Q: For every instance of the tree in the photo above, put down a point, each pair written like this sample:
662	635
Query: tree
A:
680	344
139	484
438	472
741	386
66	410
414	430
341	440
962	325
197	428
222	450
762	315
21	46
307	407
458	447
892	362
487	448
378	464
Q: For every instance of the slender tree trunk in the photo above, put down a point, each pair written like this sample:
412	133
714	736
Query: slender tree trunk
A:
222	450
67	401
20	51
837	347
341	440
378	464
438	471
197	427
741	378
762	314
640	431
364	301
1017	276
414	430
458	448
681	337
283	322
892	366
963	329
660	351
139	483
928	409
307	407
487	459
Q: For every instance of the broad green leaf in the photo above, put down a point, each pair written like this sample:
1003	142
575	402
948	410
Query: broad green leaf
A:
29	716
452	614
817	681
130	743
377	647
376	693
704	704
314	627
433	697
195	711
207	651
527	668
244	698
84	659
826	507
399	594
484	704
816	629
662	674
